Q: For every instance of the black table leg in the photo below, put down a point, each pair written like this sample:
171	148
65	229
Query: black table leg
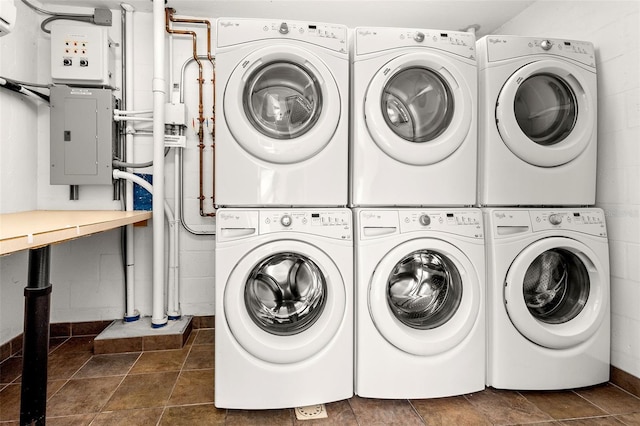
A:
35	352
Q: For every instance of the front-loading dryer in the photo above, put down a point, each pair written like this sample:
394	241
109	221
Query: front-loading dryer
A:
548	313
284	307
420	324
282	99
414	98
537	125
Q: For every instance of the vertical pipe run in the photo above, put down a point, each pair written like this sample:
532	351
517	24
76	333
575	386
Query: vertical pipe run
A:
158	318
35	347
173	299
74	191
131	314
171	18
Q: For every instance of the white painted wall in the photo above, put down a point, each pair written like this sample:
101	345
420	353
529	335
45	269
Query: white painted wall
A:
18	160
613	27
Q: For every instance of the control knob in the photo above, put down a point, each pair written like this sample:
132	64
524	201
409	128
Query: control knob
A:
284	28
419	37
424	220
555	219
546	44
285	220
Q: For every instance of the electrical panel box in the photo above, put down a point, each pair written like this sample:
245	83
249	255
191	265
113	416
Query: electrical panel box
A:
82	55
83	135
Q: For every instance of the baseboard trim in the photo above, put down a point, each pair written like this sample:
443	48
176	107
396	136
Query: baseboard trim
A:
625	380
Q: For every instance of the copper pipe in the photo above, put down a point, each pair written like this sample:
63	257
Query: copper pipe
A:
213	85
169	17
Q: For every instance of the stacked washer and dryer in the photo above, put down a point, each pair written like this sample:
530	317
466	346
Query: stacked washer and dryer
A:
430	138
548	315
419	248
284	246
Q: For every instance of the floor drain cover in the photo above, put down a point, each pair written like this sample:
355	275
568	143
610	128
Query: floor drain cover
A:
311	412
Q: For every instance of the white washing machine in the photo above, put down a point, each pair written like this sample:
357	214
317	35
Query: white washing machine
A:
414	99
282	99
284	307
537	124
420	323
548	311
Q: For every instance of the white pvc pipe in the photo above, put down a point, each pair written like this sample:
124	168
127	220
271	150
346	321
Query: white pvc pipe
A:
126	118
173	286
119	174
174	261
158	318
173	226
131	313
127	111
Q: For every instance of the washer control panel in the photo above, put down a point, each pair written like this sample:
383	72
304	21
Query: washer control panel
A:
326	222
378	39
585	221
508	47
234	224
235	31
462	222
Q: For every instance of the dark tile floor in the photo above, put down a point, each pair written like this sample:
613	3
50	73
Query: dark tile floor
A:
175	387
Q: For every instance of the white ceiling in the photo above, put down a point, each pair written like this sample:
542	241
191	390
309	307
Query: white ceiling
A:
434	14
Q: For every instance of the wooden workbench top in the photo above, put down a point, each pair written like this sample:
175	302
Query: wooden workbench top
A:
33	229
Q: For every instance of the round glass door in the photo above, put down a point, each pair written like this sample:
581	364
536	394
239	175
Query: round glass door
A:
556	286
282	100
424	290
545	112
284	301
556	292
425	296
417	104
545	108
285	294
282	106
419	107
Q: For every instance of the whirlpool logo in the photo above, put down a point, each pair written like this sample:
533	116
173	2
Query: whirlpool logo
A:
370	215
228	216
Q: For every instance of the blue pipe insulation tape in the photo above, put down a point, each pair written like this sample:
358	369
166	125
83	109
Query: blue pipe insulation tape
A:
142	199
132	318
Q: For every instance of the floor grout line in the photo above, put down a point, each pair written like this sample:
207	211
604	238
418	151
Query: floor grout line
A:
225	416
